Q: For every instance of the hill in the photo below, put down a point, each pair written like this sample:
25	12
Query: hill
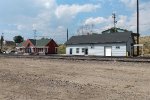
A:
146	41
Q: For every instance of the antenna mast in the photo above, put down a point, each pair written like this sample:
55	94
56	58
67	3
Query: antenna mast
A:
115	22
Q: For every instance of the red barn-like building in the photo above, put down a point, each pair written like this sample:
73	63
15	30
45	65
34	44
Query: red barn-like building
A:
41	46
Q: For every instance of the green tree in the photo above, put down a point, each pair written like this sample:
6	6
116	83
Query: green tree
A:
18	39
61	49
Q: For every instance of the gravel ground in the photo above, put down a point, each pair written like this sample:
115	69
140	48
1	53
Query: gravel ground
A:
40	79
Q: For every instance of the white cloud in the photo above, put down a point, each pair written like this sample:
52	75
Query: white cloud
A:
50	18
97	24
94	21
129	3
122	22
144	21
126	21
46	3
20	27
72	10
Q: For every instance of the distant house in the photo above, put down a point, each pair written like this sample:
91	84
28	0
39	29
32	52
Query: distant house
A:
9	43
111	44
43	46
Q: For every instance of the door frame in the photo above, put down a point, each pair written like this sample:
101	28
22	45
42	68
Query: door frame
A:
86	51
70	51
105	50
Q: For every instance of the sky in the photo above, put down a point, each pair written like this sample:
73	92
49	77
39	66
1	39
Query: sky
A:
51	18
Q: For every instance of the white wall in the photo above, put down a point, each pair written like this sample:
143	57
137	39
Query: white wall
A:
119	52
98	49
74	49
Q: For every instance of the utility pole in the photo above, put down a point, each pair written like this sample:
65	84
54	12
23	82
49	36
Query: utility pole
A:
92	28
2	39
67	34
115	22
35	35
138	27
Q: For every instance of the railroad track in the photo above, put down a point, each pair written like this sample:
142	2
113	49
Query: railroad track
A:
87	58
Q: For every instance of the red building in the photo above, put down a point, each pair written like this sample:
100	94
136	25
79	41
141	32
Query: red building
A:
41	46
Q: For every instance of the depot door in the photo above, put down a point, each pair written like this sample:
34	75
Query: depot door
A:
70	51
86	51
108	51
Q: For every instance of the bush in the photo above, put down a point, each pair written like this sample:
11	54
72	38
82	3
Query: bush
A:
62	49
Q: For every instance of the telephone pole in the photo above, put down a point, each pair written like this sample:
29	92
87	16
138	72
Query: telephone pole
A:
35	35
67	34
2	39
138	27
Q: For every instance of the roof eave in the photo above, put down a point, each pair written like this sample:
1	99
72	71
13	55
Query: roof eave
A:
96	43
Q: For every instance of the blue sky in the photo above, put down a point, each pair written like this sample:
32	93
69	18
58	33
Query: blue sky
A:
51	18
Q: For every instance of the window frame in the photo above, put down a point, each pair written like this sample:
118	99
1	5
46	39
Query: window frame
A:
117	47
83	50
77	50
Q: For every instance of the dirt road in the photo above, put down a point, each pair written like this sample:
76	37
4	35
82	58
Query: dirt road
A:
37	79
